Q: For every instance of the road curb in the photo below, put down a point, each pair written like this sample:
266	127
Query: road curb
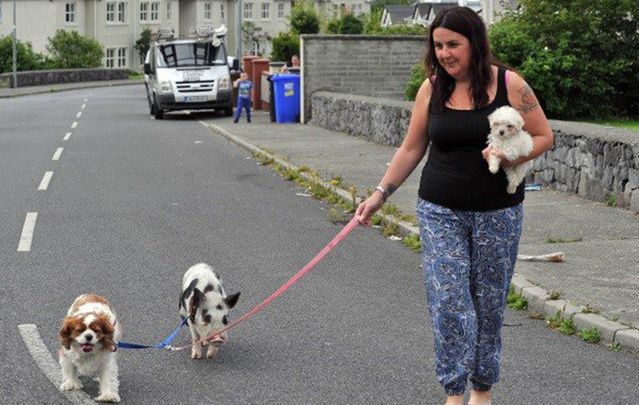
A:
28	91
539	300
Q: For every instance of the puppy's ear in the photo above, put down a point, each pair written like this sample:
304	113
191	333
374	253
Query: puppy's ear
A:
104	329
194	303
231	300
68	325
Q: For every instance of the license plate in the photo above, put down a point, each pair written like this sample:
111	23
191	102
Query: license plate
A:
194	99
192	75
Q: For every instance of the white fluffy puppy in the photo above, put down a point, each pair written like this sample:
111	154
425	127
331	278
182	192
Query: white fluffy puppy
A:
89	336
507	135
206	306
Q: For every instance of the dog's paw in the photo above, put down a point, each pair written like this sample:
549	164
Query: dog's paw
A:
196	354
211	352
108	396
511	189
69	385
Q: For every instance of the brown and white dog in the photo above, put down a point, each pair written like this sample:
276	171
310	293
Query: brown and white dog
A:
205	304
89	336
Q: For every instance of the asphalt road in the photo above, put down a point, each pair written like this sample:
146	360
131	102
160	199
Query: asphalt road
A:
133	202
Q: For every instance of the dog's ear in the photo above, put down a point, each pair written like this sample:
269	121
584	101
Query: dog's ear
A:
68	326
231	300
104	329
194	303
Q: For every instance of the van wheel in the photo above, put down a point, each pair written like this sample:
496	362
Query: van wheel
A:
157	111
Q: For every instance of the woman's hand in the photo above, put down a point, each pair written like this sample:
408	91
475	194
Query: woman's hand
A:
369	207
504	162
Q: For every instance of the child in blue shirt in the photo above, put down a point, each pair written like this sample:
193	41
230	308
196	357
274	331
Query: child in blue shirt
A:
244	95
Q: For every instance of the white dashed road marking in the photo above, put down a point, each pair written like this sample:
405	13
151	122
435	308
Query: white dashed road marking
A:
74	125
47	365
56	155
27	232
83	106
67	136
79	114
44	184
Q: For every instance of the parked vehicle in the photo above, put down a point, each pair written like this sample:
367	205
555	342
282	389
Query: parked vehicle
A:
188	73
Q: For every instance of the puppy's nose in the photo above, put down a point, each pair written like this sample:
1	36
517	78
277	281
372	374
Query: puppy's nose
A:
501	132
88	337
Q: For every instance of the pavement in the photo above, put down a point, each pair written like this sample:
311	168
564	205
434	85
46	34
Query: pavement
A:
597	285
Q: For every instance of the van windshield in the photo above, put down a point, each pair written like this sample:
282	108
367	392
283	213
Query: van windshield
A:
190	54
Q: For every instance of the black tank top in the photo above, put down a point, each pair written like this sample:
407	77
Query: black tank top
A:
456	175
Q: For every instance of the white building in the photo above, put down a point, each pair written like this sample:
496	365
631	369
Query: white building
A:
117	24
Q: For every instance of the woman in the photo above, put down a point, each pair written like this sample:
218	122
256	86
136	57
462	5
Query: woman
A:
470	226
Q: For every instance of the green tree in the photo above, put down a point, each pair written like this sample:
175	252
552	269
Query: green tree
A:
304	19
378	5
372	26
349	24
70	50
26	58
143	44
580	56
285	45
417	77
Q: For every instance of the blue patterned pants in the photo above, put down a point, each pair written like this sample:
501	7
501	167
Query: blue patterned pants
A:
468	262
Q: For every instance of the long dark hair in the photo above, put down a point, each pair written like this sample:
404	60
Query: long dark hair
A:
466	22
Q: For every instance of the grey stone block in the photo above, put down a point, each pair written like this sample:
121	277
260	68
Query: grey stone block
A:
628	338
536	298
552	306
571	309
519	282
607	328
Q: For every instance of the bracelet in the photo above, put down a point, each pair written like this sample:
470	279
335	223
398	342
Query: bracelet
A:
383	191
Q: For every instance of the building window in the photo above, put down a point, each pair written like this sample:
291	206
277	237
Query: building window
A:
110	58
116	12
122	57
266	11
207	11
168	10
280	11
144	11
69	15
222	11
121	18
155	11
248	11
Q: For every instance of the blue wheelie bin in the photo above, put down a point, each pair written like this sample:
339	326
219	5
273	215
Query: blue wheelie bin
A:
287	97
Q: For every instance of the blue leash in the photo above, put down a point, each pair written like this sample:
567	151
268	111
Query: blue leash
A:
165	344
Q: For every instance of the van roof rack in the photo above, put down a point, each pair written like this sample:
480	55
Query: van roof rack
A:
165	33
208	32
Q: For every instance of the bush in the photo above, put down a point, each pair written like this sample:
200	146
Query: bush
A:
580	56
26	58
143	44
285	45
70	50
349	24
417	77
304	18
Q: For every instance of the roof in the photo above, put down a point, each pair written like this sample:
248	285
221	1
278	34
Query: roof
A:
399	13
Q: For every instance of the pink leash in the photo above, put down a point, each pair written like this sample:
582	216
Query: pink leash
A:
331	245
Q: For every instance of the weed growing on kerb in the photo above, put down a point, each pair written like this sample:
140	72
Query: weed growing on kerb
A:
591	335
516	301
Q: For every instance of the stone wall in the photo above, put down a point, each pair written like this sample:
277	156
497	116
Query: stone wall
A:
376	66
596	162
44	77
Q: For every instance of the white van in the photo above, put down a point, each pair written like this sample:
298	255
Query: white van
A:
188	74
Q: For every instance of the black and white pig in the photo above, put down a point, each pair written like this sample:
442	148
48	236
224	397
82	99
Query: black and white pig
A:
205	304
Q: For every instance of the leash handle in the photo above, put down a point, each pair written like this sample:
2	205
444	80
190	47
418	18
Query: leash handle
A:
331	245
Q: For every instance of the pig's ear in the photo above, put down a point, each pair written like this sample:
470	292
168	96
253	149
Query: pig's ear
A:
231	300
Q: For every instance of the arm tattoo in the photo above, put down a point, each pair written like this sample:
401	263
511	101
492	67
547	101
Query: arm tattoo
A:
528	100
